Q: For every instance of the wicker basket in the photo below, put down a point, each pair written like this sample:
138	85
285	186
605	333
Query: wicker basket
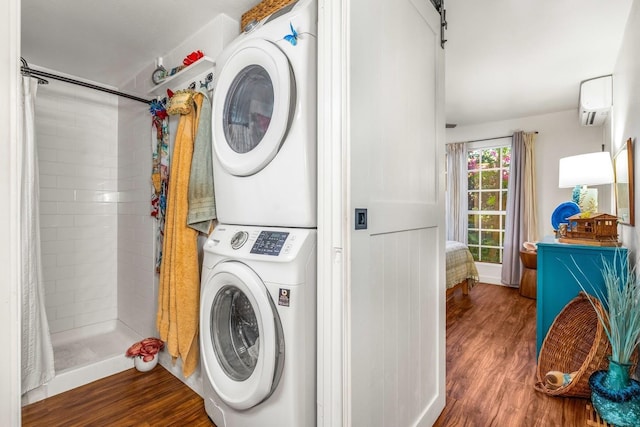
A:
576	342
261	10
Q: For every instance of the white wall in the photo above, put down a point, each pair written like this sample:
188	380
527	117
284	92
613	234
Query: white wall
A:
77	152
625	121
559	135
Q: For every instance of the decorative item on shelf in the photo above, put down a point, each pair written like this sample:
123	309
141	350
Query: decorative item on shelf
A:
158	75
614	394
579	171
592	229
145	353
192	57
562	212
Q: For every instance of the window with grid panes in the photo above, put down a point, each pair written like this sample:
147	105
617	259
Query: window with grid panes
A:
488	179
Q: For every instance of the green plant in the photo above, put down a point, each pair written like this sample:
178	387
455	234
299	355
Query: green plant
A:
621	318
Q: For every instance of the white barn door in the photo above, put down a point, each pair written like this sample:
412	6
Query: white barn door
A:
395	163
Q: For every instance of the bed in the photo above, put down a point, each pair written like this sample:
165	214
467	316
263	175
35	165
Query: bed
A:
461	272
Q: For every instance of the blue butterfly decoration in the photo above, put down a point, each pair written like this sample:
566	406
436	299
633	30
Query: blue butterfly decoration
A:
293	37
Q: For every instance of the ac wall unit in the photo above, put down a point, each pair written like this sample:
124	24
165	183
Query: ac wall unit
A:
596	99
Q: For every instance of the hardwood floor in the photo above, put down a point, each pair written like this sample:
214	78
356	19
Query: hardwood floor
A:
490	375
491	364
130	398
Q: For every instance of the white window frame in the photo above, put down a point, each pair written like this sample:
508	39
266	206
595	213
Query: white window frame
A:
496	143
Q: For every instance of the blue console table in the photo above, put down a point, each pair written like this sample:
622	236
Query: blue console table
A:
556	284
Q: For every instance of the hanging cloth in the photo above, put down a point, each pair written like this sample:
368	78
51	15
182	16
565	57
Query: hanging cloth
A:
202	202
37	351
179	288
160	179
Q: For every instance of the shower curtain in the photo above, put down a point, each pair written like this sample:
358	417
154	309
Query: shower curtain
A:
37	351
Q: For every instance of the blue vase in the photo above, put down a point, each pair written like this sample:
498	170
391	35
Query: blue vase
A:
615	396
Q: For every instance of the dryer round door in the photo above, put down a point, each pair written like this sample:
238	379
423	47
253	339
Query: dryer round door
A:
253	105
242	338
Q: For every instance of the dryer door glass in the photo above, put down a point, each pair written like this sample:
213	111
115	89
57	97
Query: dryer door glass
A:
253	105
248	109
236	339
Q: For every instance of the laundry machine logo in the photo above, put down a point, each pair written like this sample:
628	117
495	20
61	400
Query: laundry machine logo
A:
284	297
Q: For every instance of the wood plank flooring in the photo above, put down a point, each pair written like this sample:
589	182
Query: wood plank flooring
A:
490	375
130	398
491	365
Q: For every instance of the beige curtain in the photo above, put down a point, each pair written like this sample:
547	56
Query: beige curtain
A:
456	192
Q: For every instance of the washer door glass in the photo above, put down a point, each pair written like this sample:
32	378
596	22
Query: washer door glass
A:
248	109
241	336
236	339
253	106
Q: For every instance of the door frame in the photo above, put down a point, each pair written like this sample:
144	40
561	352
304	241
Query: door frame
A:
10	386
333	351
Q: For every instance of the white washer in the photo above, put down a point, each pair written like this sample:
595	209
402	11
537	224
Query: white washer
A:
258	326
264	122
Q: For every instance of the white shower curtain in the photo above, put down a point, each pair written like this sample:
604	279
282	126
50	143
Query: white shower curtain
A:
37	351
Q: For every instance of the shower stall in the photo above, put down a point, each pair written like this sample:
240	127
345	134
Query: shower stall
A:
97	234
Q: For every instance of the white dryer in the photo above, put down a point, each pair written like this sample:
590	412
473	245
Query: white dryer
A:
264	122
258	326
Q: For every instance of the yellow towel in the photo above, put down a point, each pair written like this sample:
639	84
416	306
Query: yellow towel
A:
179	293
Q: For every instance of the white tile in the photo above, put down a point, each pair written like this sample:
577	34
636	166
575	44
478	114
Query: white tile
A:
48	208
59	299
49	260
48	234
95	293
57	246
95	221
55	221
47	154
47	181
58	272
59	325
84	319
56	195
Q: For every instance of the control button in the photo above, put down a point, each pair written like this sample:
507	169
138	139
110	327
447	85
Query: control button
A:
239	239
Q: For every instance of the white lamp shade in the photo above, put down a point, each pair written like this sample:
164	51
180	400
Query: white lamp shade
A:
585	169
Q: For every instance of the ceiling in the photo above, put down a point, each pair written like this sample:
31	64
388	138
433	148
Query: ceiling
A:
516	58
109	41
504	58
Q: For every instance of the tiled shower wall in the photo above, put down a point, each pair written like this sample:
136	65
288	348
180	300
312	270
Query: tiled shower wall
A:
137	290
76	136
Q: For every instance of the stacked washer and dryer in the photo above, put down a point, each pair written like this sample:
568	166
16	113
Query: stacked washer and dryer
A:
258	290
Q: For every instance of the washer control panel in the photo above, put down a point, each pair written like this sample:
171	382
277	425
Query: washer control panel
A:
239	239
281	244
269	242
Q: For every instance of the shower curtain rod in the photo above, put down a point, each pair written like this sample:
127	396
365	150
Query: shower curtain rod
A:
26	70
495	137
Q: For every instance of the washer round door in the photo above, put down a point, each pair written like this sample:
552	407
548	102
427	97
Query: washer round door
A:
253	105
241	335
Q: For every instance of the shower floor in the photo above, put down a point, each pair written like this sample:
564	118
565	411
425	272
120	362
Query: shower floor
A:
73	349
85	355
